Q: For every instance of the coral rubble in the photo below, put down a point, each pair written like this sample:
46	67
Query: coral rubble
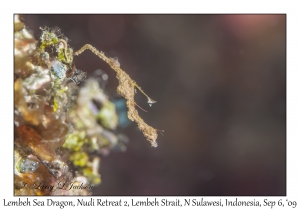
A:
61	130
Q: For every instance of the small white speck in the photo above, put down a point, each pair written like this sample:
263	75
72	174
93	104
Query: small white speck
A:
104	76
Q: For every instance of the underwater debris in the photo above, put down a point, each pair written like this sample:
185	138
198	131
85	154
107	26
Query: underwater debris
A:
28	165
61	129
59	135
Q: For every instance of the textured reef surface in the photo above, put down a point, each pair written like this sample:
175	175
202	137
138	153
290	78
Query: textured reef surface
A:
61	129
